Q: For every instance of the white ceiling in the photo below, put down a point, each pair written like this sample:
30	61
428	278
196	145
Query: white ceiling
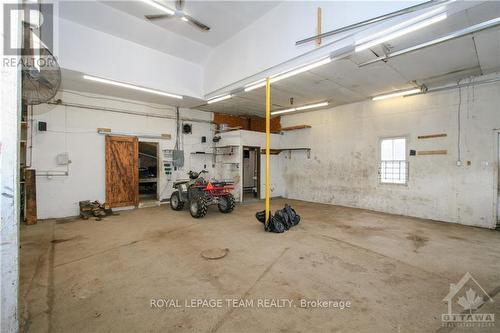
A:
343	81
225	18
125	19
98	16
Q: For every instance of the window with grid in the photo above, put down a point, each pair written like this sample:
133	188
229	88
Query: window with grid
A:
393	167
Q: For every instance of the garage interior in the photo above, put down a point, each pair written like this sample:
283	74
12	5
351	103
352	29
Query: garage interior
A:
377	122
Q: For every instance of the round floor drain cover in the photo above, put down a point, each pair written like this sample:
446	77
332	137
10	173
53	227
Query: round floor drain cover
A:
215	253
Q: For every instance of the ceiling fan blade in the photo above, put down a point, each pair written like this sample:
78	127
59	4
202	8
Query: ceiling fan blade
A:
179	4
156	17
196	23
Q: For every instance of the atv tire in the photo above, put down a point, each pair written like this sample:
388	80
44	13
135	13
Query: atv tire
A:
226	204
198	207
175	201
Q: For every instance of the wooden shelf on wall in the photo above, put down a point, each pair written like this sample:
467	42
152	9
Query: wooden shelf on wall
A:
293	128
229	129
432	152
432	136
226	146
289	150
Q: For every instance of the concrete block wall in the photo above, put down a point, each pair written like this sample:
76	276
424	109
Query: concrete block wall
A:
343	168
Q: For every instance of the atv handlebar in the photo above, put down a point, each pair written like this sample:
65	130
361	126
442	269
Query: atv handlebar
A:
193	174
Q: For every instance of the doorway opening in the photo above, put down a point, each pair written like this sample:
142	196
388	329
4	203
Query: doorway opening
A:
251	173
148	171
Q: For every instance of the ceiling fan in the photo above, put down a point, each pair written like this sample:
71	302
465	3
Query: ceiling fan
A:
177	13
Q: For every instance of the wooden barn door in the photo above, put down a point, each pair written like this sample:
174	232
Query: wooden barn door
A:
122	171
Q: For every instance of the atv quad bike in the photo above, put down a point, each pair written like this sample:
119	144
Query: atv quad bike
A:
199	194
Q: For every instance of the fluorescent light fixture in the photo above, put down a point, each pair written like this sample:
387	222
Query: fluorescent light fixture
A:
397	94
300	108
130	86
184	19
160	7
401	32
300	69
255	85
306	107
402	25
283	111
287	73
218	99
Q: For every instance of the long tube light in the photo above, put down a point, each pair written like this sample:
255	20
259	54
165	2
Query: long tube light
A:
218	99
300	108
401	32
130	86
288	73
255	85
307	107
374	20
300	69
397	94
459	33
159	7
402	25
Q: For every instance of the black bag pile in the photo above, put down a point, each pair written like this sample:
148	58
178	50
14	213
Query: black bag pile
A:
281	221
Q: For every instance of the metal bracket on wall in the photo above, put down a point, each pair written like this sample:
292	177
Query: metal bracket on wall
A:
307	150
289	150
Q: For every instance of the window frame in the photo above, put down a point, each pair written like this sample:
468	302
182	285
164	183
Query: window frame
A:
379	150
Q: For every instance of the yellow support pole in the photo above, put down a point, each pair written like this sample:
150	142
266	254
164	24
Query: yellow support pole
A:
268	144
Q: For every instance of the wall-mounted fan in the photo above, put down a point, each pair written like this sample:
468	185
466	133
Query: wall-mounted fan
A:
41	76
178	13
40	84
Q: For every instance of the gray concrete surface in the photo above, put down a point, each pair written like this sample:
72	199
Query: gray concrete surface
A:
89	276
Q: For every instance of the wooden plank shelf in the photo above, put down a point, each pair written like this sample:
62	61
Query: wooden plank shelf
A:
432	136
432	152
293	128
227	146
289	150
229	129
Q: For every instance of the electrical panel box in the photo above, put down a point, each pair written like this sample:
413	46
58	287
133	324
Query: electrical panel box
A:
62	159
178	158
42	126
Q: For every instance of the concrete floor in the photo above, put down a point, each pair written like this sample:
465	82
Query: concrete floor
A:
90	276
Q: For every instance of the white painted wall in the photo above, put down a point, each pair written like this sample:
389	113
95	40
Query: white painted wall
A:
93	52
73	130
345	155
10	116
